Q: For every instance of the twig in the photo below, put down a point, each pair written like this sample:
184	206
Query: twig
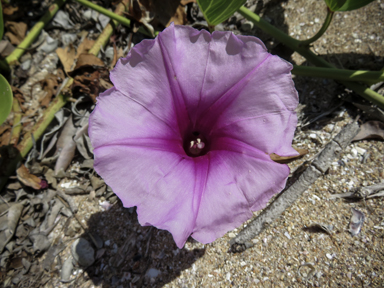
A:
286	198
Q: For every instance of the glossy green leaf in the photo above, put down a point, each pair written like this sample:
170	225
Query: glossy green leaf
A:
217	11
6	98
1	22
346	5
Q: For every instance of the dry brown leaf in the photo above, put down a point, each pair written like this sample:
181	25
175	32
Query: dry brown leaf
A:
16	31
288	159
49	85
29	179
11	12
185	2
69	54
89	83
87	60
371	130
179	18
6	48
85	46
19	95
5	138
65	146
67	57
105	84
4	127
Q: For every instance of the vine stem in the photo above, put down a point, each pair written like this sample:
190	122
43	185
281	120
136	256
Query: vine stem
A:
119	18
26	144
34	32
294	44
322	30
339	74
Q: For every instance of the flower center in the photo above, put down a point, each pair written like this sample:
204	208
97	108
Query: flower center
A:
195	145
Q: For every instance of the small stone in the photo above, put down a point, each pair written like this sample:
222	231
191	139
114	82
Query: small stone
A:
152	273
286	234
231	235
83	252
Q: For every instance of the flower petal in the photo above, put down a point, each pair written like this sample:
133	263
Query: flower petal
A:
160	184
241	179
206	66
143	76
117	119
260	112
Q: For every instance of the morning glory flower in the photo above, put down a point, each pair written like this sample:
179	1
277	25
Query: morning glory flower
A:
186	132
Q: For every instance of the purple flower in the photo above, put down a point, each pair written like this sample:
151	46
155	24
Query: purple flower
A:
185	134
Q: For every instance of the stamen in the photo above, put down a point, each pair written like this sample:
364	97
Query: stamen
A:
196	146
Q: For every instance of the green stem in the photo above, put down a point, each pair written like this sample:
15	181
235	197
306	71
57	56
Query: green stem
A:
211	28
322	30
120	19
339	74
26	144
34	32
294	44
61	100
39	128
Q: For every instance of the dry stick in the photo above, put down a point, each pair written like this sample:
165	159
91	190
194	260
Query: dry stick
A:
286	198
61	99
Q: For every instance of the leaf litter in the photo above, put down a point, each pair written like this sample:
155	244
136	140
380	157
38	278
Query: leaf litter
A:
39	225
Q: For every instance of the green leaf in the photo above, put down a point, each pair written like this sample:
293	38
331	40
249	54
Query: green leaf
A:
217	11
6	98
354	4
346	5
1	22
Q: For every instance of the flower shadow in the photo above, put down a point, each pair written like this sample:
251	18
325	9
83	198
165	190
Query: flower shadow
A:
132	255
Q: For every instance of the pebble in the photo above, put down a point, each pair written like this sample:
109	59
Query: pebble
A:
152	273
286	234
83	252
232	235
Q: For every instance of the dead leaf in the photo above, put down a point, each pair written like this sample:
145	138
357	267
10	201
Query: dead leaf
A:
49	85
371	130
67	57
19	95
288	159
69	54
4	127
165	12
88	80
11	12
14	213
29	179
5	138
185	2
85	46
86	60
6	48
16	31
179	18
66	146
105	84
